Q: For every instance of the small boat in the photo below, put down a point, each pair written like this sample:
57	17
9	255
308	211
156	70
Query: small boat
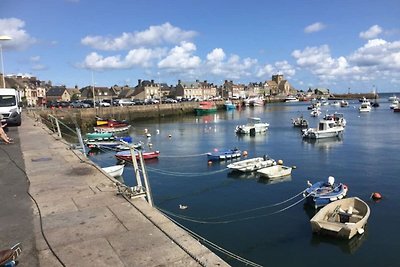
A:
365	107
115	170
394	104
229	105
111	122
344	103
224	155
205	107
393	98
325	129
111	142
253	126
335	103
322	193
343	218
109	129
99	136
250	165
275	171
300	122
126	155
291	98
315	112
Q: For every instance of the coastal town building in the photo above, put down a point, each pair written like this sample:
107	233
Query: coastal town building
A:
195	90
32	90
58	93
147	90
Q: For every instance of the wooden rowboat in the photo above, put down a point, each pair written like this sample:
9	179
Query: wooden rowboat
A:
342	218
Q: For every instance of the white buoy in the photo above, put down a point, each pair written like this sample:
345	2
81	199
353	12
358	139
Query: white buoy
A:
158	131
182	207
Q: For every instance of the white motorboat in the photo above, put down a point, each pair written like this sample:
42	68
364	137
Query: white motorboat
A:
253	126
342	218
315	112
365	106
394	104
335	103
300	122
115	170
275	171
250	165
291	99
344	103
325	129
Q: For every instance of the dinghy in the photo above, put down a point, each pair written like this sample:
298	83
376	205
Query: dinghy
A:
322	193
275	171
250	165
115	170
343	218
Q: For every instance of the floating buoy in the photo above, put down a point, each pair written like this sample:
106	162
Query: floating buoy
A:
145	130
280	162
150	144
209	162
376	196
148	135
182	207
245	153
158	131
169	136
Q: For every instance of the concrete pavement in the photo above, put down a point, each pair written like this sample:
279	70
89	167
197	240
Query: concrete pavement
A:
83	219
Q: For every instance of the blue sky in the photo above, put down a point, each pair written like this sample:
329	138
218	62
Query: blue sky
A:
336	44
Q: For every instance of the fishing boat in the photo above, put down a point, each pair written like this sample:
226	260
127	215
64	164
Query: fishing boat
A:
229	105
224	154
205	107
126	155
111	122
253	126
343	218
114	171
315	112
300	122
253	164
291	98
275	171
322	193
344	103
325	129
365	107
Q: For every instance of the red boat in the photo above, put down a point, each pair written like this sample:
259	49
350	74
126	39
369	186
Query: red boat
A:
126	155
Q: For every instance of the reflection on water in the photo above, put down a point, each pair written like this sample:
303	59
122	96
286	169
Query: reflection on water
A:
324	143
346	246
277	180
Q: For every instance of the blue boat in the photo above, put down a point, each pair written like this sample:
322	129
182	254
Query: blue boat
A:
322	193
229	105
224	155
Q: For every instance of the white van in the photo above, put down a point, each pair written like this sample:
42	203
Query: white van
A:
10	106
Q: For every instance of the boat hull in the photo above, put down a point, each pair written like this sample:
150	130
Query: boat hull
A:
126	155
114	171
342	219
224	155
250	165
275	171
321	194
106	129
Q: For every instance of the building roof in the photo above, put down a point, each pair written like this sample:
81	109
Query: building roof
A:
56	91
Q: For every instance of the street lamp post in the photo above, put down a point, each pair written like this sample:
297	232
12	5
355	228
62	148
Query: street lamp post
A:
3	38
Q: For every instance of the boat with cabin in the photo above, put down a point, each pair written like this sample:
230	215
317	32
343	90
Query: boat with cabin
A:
205	107
291	98
337	117
229	105
300	122
254	125
365	106
253	164
325	129
343	218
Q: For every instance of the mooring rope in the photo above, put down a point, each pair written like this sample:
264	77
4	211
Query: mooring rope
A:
215	246
233	220
182	156
184	174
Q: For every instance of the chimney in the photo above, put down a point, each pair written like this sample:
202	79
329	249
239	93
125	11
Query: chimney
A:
139	81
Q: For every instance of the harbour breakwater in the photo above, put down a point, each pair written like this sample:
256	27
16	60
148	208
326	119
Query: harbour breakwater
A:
86	118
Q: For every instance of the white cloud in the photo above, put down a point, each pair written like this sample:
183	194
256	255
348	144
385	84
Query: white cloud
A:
153	36
180	58
315	27
282	67
13	28
135	58
371	33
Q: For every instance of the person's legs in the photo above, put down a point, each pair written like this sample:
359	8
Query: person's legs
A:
4	136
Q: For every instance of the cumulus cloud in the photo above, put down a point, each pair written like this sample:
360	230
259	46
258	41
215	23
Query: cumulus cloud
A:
371	33
232	67
180	58
283	67
153	36
315	27
378	53
14	28
140	57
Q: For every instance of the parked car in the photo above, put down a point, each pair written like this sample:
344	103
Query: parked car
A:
126	102
79	104
89	102
103	104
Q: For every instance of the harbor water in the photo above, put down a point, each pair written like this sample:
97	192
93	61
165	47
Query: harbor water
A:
266	221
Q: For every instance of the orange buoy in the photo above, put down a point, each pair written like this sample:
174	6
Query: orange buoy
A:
376	196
